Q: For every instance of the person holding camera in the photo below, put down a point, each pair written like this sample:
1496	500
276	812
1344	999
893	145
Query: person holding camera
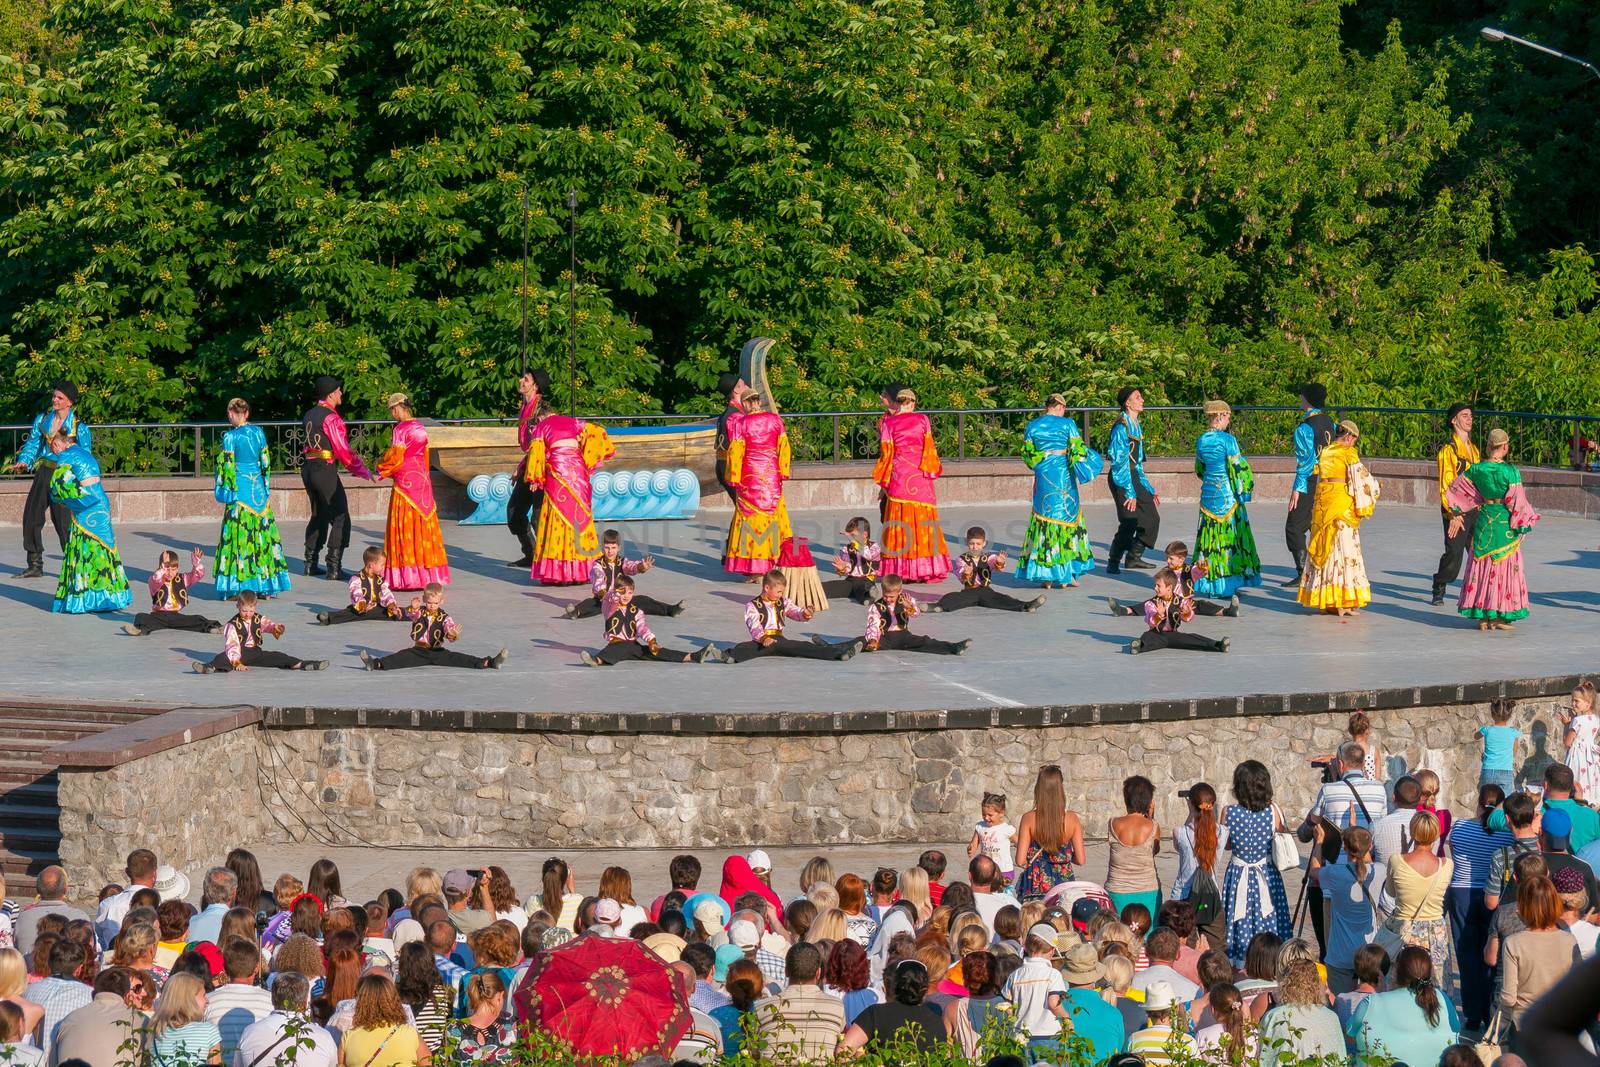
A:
1348	798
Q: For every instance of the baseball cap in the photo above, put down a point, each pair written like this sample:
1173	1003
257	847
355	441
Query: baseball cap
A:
759	860
1083	910
1045	932
211	953
1556	823
743	932
607	911
457	880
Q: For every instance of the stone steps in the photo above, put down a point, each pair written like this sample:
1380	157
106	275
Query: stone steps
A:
30	817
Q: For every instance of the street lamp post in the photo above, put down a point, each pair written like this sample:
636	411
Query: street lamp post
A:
1490	33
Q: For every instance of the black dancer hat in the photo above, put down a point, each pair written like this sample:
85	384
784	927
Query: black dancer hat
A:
1453	410
1314	394
1124	393
67	389
325	385
540	379
726	383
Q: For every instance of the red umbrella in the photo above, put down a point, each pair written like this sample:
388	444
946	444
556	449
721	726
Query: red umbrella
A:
604	996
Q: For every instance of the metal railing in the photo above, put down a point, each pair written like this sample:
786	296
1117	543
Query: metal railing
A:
1537	439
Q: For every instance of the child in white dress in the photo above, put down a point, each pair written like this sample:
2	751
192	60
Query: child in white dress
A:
993	835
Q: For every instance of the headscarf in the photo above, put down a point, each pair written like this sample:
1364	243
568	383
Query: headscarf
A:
738	879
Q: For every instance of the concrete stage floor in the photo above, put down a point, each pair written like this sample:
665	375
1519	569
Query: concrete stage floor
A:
1071	652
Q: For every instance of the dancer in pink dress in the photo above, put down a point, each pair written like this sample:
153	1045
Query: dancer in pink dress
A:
913	541
563	452
758	465
1495	591
413	546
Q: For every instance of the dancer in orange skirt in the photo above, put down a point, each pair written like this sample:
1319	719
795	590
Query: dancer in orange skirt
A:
913	540
413	547
758	464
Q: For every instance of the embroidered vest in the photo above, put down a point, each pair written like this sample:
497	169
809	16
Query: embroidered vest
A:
980	570
623	624
428	630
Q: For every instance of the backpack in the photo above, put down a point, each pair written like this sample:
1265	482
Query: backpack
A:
1206	898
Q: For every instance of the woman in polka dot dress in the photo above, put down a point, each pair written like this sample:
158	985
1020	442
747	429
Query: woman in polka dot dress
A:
1253	898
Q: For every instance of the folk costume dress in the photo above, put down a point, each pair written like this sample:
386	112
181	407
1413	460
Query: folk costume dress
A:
563	453
758	465
1056	547
92	578
1496	588
413	547
908	462
1335	574
36	456
249	550
1225	540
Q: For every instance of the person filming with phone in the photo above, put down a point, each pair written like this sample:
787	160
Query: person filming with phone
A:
1347	798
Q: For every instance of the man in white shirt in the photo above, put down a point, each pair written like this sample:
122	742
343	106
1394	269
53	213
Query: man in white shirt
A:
267	1042
1035	990
239	1003
1391	835
1162	948
988	889
141	869
1352	795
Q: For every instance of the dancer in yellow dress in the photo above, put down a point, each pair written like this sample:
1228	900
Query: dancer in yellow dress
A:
1335	578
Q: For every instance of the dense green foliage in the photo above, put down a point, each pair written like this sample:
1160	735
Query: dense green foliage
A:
199	200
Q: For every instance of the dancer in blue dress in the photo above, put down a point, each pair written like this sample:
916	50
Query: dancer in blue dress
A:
249	551
1056	549
1253	897
1225	541
92	578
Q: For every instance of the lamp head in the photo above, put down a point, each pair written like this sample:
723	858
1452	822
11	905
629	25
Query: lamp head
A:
1491	34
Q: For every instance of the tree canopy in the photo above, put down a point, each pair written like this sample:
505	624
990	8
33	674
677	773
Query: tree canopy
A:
993	200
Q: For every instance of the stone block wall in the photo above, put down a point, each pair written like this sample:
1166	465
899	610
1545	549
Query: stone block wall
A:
191	804
534	790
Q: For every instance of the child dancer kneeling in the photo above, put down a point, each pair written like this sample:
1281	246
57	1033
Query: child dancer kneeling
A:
889	623
628	636
764	617
1164	613
169	595
431	627
241	643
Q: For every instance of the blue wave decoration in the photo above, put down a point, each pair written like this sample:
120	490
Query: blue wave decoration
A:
647	494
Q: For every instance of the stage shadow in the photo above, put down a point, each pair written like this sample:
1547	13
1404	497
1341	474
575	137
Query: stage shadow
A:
559	646
1580	558
34	597
1104	638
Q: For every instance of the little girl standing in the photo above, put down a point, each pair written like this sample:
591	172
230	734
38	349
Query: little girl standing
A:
992	836
1360	729
1500	742
1583	751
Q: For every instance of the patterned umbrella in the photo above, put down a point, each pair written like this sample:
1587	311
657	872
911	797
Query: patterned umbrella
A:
604	997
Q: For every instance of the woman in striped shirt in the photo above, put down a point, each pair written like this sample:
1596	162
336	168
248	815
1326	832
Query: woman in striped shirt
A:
1472	847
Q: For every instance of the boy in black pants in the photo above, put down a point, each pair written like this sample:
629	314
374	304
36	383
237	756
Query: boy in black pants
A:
370	598
889	624
856	564
431	627
1178	563
975	569
241	643
1164	613
169	595
764	618
628	636
605	572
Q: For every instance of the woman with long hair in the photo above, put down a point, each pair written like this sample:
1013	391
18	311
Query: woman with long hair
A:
252	892
1537	957
1357	901
1472	846
848	976
380	1034
1228	1040
1411	1022
13	986
344	971
324	884
1417	882
860	926
831	925
1196	842
503	895
558	893
179	1032
1049	838
301	955
616	883
1253	897
966	1017
817	871
424	992
744	985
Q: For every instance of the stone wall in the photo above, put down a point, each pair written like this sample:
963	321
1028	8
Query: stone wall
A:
191	803
390	786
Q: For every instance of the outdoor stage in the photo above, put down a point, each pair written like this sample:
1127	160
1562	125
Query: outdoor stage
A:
547	753
1069	653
